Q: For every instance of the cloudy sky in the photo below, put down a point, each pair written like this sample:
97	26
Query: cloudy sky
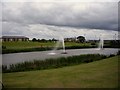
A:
55	19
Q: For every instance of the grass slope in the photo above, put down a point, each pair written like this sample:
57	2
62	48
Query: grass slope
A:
23	45
15	47
98	74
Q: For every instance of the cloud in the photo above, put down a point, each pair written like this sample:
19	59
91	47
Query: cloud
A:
81	15
46	19
48	31
13	28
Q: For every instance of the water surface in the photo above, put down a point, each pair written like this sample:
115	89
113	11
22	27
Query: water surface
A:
13	58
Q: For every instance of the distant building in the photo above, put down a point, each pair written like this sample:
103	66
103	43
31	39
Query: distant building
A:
14	38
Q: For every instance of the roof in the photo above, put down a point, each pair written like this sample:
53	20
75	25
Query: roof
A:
14	37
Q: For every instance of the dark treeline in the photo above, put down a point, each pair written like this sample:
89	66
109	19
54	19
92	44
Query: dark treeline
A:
113	44
7	51
45	48
53	63
43	40
79	39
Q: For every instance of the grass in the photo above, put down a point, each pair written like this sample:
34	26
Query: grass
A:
23	45
20	46
98	74
30	44
77	44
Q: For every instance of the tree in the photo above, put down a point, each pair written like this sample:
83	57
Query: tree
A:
43	40
81	39
34	39
54	39
38	40
50	40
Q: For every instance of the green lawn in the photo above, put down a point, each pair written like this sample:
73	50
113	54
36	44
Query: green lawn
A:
22	45
77	44
98	74
30	44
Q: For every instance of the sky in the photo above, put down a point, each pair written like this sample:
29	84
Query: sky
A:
55	19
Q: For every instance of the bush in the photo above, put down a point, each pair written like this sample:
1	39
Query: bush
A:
5	51
118	53
3	47
4	68
111	55
93	43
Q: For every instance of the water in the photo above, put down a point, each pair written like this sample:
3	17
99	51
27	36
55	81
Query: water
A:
53	52
58	44
101	44
8	59
63	44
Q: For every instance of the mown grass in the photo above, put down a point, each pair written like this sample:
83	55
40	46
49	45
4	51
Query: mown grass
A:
30	44
98	74
52	63
15	47
25	44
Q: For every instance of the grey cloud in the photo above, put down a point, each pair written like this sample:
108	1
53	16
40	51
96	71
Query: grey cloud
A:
48	31
10	28
96	16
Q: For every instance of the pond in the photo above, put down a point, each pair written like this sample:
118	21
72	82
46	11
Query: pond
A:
14	58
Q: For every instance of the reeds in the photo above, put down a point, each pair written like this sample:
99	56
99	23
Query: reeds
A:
52	63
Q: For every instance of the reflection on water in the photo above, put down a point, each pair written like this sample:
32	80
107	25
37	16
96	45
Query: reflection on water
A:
21	57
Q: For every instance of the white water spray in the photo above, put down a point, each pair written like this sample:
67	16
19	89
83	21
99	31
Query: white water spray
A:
58	44
63	45
101	44
55	48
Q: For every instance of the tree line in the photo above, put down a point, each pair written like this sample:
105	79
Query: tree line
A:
43	40
78	39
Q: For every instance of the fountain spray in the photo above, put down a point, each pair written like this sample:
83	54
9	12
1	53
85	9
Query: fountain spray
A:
101	43
63	45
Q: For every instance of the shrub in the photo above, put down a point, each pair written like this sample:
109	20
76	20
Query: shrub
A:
3	47
5	51
118	53
93	43
111	55
4	68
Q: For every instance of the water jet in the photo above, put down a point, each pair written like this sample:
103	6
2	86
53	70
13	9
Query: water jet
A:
58	44
63	45
101	44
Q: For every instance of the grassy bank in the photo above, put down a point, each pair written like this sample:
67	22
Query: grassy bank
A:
30	44
7	51
15	47
98	74
21	46
52	63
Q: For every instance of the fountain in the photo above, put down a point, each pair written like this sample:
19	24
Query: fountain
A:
101	44
61	41
55	48
63	45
